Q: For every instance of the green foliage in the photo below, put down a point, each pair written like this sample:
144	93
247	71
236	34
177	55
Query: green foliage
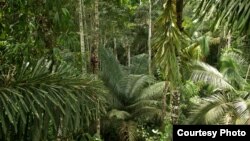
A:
221	108
132	97
52	99
148	133
32	29
166	135
168	44
234	14
33	98
139	64
224	106
210	75
233	66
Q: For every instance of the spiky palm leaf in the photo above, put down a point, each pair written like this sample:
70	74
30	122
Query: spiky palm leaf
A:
242	107
221	108
32	95
110	67
234	14
134	100
210	75
154	91
211	110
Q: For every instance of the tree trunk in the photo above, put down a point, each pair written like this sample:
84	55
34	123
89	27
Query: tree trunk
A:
104	42
175	104
115	49
94	56
94	49
179	10
129	56
149	38
86	35
82	43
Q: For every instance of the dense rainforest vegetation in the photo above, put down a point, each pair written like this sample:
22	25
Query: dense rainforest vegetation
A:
121	70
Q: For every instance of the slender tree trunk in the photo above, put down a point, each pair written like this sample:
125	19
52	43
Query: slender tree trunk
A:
86	35
126	46
82	43
115	49
94	56
175	104
104	41
94	49
149	38
129	56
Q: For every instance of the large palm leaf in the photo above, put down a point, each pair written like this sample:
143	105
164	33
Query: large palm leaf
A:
136	100
234	14
211	110
32	95
221	108
210	75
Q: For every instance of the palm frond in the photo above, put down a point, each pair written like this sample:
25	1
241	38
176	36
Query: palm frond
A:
111	71
154	91
34	91
132	85
233	14
211	109
142	103
243	110
147	112
210	75
168	44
